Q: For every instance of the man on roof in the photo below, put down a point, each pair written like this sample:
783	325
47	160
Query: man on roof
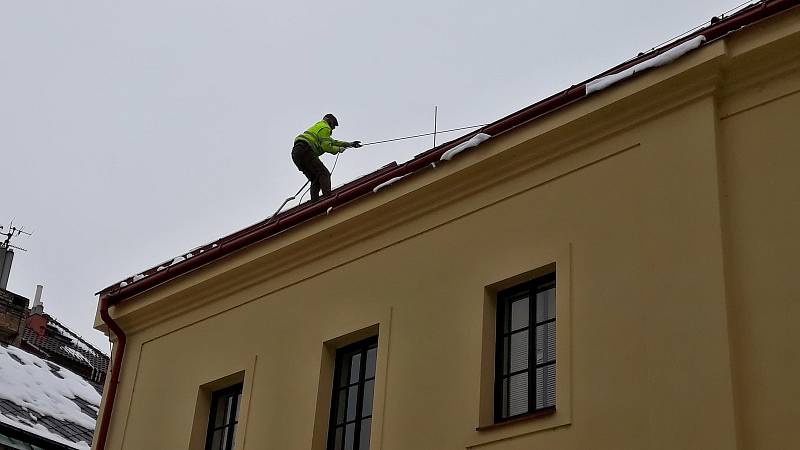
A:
310	145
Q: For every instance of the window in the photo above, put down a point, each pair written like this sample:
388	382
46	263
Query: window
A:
525	368
353	389
223	418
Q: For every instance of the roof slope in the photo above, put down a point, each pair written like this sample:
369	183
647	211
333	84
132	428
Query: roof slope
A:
430	158
45	400
58	340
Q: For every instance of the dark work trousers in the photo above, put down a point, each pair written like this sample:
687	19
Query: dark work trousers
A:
316	172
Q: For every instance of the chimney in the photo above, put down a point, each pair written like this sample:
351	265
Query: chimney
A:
6	258
38	307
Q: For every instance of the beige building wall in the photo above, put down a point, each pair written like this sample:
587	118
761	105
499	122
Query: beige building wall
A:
669	206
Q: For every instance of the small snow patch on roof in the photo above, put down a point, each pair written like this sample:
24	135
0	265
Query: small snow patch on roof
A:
75	353
473	142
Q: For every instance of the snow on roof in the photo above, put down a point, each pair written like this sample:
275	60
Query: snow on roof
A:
44	399
473	142
387	183
76	354
77	341
665	54
658	61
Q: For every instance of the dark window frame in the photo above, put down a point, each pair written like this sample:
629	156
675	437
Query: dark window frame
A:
362	347
505	298
232	391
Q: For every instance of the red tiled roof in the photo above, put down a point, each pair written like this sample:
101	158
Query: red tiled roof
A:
364	185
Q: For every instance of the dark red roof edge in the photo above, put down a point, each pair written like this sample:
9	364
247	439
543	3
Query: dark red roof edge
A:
364	185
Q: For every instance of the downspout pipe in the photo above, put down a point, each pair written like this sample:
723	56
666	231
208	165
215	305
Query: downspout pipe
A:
116	366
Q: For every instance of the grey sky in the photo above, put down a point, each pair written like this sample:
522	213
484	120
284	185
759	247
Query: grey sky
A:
130	132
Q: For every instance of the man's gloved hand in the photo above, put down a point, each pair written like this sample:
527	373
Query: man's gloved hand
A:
355	144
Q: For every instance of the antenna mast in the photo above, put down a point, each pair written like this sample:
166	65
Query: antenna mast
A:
12	232
7	251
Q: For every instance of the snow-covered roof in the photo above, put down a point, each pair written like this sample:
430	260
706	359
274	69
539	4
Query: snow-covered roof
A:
46	400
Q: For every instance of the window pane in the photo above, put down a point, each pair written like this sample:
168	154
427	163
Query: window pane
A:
220	411
546	305
344	371
233	437
225	432
238	405
519	351
546	343
519	314
505	351
352	397
337	443
229	408
363	441
355	367
371	357
504	410
216	440
518	394
349	436
546	386
341	403
366	410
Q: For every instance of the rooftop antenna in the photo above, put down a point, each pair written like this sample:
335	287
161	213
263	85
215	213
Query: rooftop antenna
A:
435	116
11	232
7	251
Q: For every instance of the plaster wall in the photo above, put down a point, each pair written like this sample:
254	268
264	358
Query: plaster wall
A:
668	206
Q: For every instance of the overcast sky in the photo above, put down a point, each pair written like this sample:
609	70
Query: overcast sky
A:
133	131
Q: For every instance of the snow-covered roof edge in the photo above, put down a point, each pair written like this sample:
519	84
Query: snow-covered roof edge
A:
660	60
749	14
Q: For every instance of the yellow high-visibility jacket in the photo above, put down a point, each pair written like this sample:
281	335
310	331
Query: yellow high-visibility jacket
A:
318	137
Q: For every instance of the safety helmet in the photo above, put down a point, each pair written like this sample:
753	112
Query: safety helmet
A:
331	119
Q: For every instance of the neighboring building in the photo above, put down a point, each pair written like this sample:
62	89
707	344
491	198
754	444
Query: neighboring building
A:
13	311
610	268
50	378
48	338
37	332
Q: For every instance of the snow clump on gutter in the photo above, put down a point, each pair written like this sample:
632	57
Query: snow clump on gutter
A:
387	183
657	61
473	142
178	259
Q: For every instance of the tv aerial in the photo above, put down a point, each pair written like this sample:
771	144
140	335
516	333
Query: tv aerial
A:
11	232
